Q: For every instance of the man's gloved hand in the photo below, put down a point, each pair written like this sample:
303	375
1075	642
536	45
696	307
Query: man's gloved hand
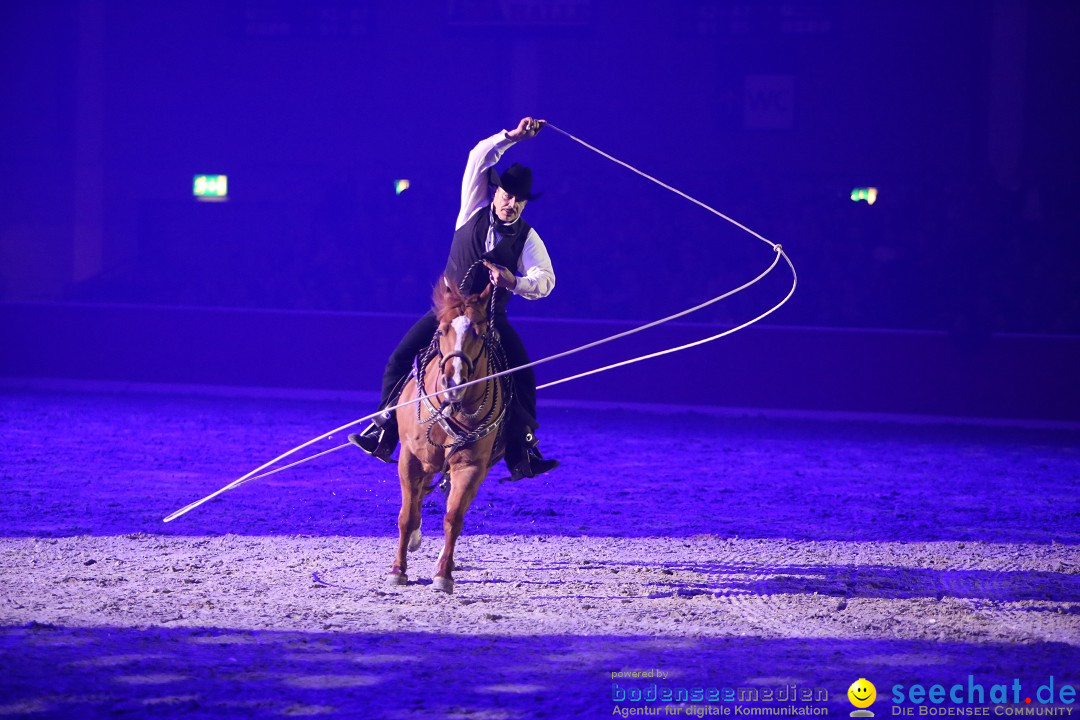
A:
500	276
527	128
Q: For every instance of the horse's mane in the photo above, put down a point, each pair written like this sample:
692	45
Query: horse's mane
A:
449	302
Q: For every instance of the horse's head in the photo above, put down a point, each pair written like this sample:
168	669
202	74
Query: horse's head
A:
463	325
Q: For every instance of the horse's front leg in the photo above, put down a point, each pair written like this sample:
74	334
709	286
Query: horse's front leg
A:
413	484
464	482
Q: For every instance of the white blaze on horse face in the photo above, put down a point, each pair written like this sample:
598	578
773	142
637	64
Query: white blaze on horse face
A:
461	326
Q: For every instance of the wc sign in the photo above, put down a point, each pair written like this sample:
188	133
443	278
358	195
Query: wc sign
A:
769	102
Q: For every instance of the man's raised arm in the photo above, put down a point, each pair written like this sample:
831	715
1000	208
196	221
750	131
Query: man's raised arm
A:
474	183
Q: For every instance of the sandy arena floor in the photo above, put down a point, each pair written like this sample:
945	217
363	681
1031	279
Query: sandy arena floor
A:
711	550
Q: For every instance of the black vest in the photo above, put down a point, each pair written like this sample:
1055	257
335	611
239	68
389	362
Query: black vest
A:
468	247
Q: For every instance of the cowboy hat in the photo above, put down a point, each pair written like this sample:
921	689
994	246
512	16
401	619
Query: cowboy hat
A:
516	180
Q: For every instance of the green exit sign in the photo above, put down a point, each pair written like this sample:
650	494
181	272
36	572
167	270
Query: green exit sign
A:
211	187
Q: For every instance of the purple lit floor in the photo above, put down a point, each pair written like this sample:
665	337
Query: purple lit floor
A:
724	550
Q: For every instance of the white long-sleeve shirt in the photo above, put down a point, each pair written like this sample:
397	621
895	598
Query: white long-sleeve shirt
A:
536	278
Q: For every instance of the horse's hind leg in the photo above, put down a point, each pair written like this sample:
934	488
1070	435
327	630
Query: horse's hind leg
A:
413	482
464	482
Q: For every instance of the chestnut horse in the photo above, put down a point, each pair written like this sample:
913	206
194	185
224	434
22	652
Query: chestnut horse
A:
456	432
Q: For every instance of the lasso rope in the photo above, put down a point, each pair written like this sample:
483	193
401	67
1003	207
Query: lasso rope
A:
258	472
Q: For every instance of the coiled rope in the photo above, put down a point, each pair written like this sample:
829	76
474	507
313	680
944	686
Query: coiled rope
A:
777	249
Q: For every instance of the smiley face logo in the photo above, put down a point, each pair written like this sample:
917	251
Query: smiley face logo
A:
862	693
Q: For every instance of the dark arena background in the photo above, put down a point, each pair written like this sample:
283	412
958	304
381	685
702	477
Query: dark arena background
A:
217	218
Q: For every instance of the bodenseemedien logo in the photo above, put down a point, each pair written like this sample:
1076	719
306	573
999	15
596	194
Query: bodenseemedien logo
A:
862	694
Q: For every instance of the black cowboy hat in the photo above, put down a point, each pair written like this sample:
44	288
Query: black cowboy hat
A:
516	180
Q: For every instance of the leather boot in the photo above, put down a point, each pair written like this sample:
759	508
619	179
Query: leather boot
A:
533	463
378	439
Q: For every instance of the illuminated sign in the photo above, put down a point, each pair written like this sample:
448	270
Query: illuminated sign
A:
211	188
869	194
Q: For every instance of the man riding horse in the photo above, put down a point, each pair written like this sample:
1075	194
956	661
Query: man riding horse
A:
489	239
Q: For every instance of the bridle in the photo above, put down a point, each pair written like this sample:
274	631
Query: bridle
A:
463	427
470	364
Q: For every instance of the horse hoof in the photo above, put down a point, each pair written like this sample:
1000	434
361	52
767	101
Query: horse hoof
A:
444	584
397	578
414	540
